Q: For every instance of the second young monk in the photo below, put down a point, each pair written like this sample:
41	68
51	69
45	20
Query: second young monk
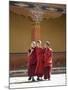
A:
39	66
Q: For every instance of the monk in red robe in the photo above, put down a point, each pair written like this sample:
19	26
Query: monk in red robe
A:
47	57
32	61
39	55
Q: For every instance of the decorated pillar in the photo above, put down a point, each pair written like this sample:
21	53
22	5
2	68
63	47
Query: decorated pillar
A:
36	31
37	16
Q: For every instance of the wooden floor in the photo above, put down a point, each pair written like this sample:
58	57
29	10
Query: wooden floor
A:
19	83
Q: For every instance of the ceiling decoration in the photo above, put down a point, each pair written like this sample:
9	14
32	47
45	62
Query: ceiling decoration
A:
38	11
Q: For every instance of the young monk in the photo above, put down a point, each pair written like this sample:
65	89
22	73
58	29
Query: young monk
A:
47	56
32	61
39	55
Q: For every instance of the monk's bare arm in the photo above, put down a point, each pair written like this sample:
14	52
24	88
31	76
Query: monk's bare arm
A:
30	52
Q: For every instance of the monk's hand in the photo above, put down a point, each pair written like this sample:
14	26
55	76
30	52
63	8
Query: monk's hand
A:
31	50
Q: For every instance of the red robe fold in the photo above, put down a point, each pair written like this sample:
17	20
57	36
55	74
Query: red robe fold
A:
47	57
39	67
32	62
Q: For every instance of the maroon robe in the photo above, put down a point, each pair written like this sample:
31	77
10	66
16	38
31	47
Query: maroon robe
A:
39	67
32	62
47	57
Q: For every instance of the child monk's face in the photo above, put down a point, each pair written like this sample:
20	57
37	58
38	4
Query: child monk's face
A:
33	45
38	44
45	45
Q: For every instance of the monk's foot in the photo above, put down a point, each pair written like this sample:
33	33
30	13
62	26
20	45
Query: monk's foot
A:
33	80
49	79
39	79
45	78
29	78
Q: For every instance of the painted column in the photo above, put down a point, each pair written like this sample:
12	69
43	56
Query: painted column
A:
36	32
37	16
